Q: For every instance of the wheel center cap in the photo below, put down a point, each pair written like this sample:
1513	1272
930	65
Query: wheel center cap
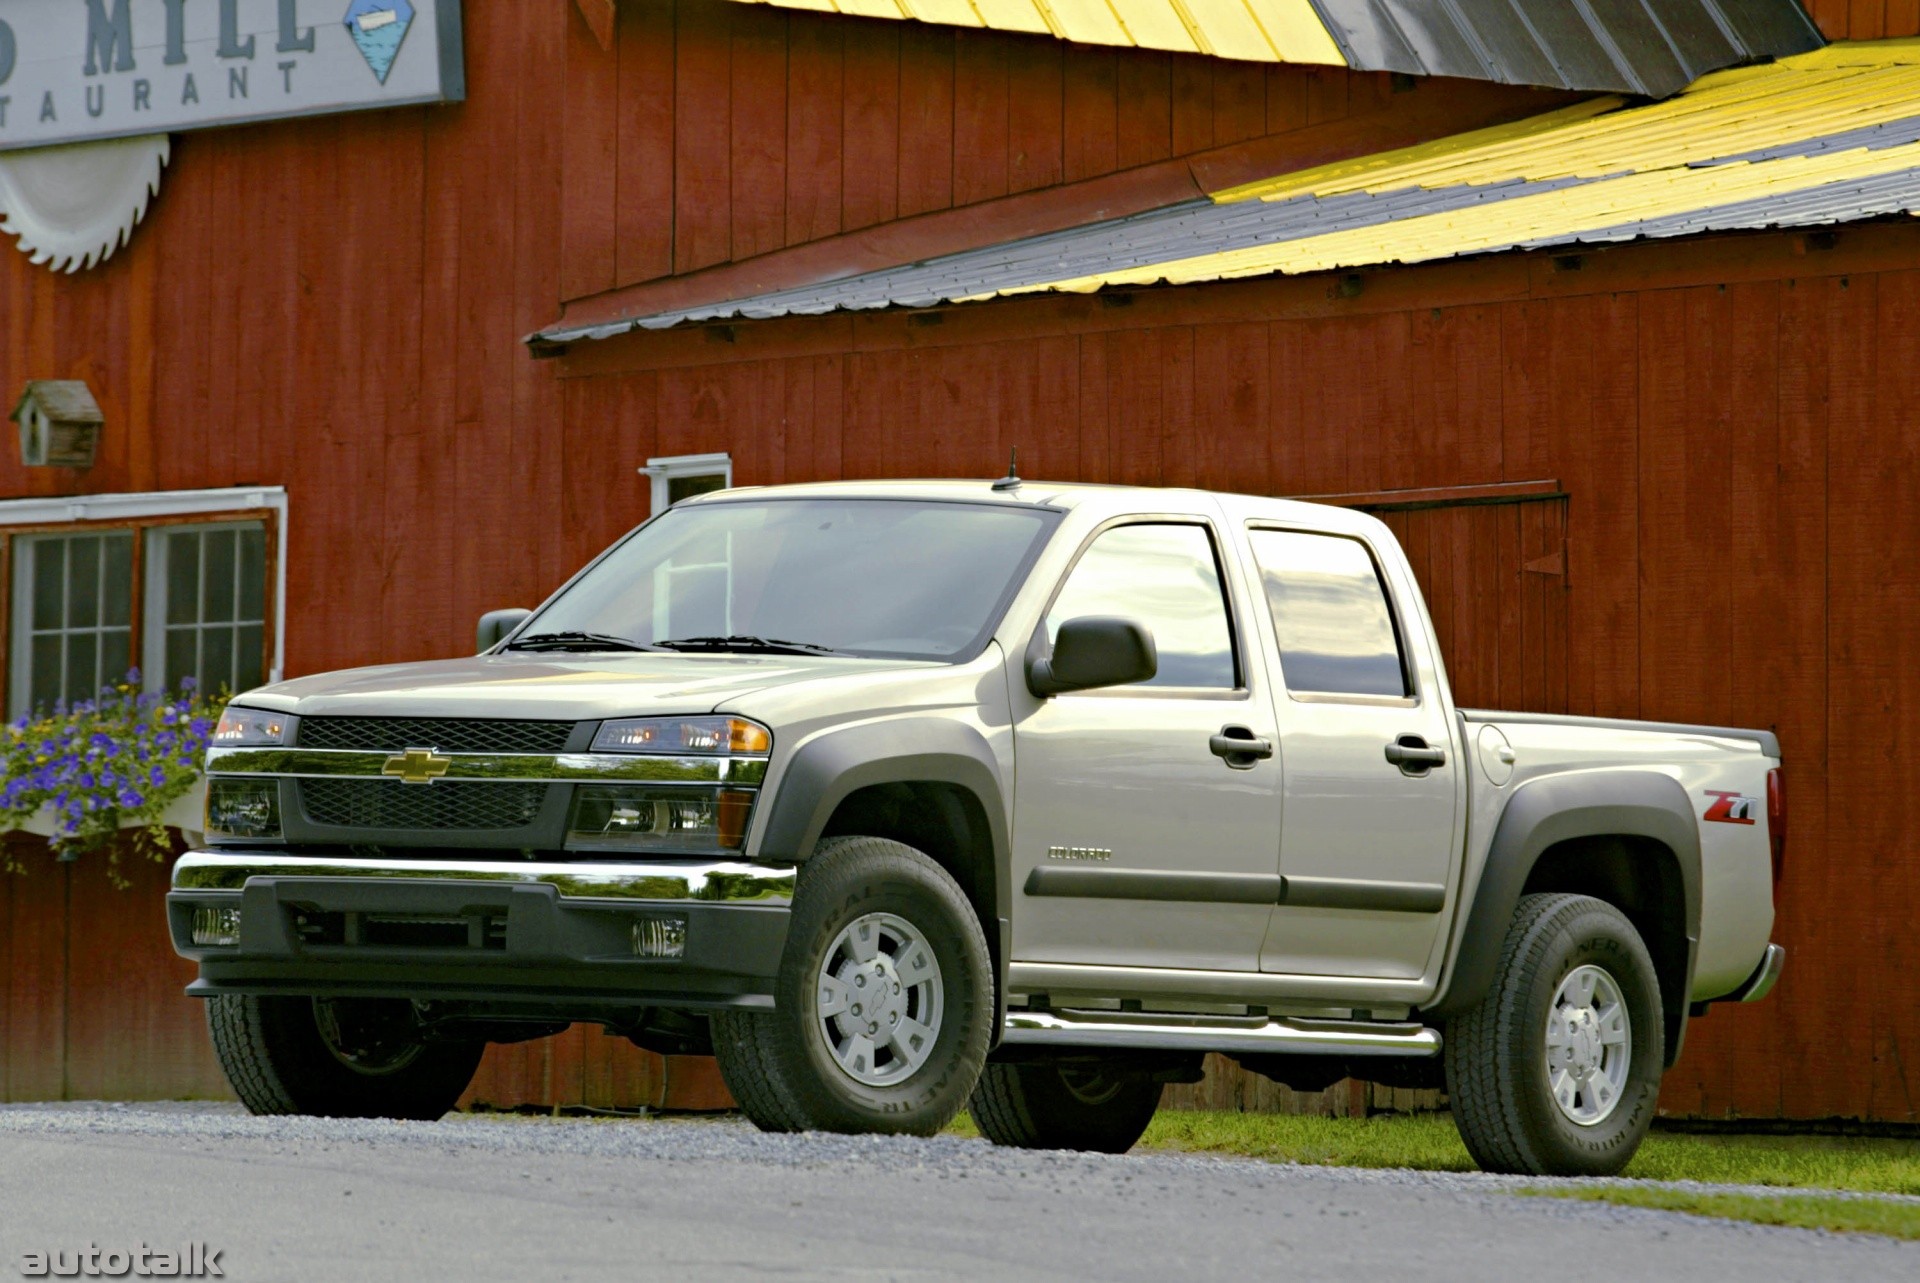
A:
1583	1042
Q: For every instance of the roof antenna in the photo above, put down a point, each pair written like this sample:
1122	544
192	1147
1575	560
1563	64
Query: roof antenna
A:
1012	480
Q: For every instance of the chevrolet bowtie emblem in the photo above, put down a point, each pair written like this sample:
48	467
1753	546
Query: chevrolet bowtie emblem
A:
417	766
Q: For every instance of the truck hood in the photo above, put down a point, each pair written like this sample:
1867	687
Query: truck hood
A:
565	687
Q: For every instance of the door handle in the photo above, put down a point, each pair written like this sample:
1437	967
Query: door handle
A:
1414	756
1239	747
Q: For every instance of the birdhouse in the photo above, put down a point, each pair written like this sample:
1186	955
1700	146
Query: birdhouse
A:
59	424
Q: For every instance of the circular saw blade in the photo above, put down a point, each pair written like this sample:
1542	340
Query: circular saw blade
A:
71	207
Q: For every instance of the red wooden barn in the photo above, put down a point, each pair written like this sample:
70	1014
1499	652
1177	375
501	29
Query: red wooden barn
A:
1619	327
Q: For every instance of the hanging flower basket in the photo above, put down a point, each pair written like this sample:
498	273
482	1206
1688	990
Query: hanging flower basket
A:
128	762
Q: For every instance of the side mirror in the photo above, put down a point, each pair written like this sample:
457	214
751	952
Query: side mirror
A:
1094	651
495	625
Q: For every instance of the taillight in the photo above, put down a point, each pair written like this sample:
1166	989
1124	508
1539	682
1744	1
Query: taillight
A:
1777	822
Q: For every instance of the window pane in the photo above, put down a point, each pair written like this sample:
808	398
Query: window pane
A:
83	581
183	654
82	667
183	579
115	658
46	671
679	488
253	574
216	659
49	583
247	657
1330	614
116	583
1166	578
216	585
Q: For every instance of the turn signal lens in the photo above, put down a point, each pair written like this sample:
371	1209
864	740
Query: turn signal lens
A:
240	726
703	735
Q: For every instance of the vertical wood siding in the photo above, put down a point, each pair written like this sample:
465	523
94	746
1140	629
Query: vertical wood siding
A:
713	132
1865	19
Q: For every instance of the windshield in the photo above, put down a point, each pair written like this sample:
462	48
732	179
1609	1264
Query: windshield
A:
884	577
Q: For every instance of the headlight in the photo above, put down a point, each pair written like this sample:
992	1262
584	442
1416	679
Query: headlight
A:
240	726
728	736
242	808
635	817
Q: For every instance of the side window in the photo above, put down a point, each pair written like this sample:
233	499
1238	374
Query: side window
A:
1166	577
72	617
682	476
1330	614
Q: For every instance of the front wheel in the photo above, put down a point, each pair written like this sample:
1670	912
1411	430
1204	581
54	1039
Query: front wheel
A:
883	1005
336	1057
1557	1070
1046	1105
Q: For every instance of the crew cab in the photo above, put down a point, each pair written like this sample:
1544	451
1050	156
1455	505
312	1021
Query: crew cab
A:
899	797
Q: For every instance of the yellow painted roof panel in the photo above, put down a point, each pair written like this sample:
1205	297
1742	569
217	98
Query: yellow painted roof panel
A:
1252	30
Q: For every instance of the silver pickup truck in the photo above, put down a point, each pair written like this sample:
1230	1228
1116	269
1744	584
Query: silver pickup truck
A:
901	797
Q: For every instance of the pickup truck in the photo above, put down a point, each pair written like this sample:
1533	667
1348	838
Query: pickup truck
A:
899	797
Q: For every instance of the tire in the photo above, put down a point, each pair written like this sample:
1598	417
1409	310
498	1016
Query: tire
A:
807	1065
336	1058
1043	1105
1505	1057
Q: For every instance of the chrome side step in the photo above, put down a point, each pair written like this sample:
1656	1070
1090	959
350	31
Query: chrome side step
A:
1161	1031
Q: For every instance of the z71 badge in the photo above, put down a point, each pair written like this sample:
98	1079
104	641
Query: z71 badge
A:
1731	808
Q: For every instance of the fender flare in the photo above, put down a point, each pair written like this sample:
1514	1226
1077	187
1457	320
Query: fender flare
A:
1555	809
827	769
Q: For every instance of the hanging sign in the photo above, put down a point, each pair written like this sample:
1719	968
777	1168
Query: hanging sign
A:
78	70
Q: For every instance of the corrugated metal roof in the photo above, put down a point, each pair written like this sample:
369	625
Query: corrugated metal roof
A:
1639	46
1825	137
1652	47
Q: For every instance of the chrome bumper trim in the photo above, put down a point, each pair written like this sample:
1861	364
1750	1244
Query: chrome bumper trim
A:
699	880
1165	1032
1761	982
501	768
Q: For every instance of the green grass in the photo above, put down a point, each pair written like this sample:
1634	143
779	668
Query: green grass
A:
1428	1142
1802	1211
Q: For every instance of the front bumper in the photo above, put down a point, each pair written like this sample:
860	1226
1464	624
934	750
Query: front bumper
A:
483	930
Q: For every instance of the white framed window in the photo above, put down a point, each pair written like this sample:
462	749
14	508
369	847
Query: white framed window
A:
681	476
177	583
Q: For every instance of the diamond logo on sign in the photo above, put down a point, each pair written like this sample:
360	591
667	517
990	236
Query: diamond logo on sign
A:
377	28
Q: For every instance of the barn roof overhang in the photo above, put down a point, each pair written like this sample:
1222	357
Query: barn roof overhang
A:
1645	47
1827	137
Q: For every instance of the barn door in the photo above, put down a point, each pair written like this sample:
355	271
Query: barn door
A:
1495	579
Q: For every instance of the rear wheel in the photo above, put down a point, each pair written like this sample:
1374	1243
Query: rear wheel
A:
1556	1072
1047	1105
336	1057
883	1005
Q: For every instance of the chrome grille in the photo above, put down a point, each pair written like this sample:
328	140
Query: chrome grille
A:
389	804
447	734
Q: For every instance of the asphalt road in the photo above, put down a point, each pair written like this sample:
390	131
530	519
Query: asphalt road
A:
511	1198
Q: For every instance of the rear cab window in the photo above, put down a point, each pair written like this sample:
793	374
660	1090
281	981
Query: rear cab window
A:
1332	616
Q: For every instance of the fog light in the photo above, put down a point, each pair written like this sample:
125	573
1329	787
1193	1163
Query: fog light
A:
216	925
661	938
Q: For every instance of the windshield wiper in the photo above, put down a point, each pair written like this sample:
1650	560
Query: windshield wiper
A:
573	641
762	645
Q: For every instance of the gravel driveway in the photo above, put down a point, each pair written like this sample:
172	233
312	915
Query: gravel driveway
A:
482	1198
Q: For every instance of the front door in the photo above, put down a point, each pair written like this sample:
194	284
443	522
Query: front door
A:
1141	838
1368	834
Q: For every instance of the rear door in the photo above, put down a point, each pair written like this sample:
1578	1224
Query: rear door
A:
1368	827
1137	843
